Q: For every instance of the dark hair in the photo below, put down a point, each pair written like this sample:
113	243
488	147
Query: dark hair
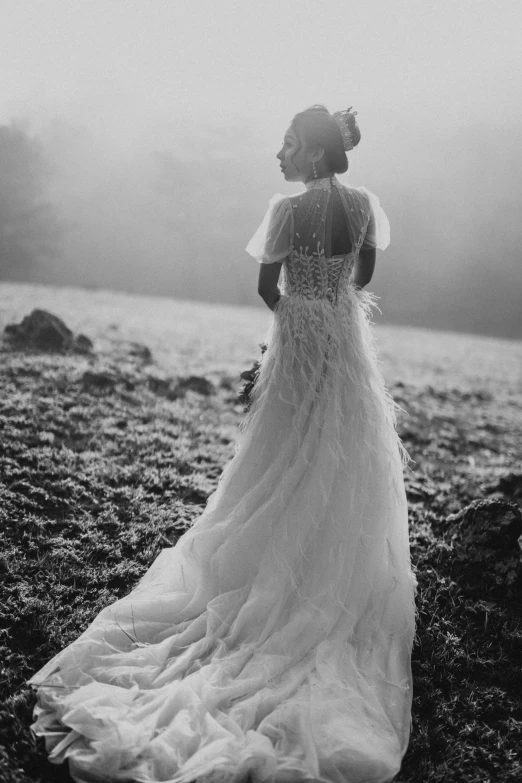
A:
316	127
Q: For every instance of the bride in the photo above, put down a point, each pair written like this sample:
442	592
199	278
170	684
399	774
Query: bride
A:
273	641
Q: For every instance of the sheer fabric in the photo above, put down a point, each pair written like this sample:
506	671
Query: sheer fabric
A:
274	639
302	224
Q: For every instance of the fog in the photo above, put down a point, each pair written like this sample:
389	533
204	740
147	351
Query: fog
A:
160	196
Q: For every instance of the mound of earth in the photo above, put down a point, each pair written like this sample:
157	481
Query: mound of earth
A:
46	332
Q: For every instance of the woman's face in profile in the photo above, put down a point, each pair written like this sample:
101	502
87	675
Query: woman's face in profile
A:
294	160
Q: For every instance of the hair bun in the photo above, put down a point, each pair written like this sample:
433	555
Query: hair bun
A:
319	108
348	126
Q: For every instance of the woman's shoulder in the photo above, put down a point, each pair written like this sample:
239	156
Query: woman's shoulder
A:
302	197
363	192
297	198
358	197
278	207
356	191
279	202
277	198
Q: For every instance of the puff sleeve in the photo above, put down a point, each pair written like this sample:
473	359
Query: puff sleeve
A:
273	239
378	231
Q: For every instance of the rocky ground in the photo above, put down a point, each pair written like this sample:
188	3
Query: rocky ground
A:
111	445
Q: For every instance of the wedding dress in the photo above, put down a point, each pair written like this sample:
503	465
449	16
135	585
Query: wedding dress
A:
273	641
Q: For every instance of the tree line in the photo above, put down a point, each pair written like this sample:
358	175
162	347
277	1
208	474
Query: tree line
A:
29	226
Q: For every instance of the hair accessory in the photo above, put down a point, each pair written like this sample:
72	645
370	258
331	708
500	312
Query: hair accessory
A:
342	119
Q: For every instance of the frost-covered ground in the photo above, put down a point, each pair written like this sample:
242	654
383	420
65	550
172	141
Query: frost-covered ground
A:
97	476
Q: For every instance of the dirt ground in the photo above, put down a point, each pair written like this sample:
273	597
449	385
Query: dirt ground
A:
104	462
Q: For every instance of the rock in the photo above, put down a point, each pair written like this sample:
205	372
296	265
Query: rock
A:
82	344
496	524
486	542
98	380
45	331
191	383
141	352
509	485
41	330
159	386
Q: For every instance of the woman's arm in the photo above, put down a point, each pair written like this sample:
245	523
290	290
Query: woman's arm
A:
364	266
267	287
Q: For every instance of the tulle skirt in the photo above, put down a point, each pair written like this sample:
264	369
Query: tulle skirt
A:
273	641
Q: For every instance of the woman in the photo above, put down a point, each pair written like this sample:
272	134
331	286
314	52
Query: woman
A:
273	641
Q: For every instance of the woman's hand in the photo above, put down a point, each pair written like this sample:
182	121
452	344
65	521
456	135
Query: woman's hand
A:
276	300
271	298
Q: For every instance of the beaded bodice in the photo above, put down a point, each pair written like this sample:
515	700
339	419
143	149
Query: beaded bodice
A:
326	216
314	276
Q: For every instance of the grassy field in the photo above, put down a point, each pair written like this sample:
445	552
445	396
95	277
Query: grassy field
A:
103	464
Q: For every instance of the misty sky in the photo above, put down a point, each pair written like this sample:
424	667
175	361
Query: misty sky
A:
215	83
128	67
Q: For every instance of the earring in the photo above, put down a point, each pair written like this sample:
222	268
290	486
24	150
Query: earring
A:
314	170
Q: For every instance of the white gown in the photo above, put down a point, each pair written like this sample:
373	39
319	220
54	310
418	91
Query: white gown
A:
273	641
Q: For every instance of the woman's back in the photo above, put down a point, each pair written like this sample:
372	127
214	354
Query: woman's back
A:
340	240
329	218
318	234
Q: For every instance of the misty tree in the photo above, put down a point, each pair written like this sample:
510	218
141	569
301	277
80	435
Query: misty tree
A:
28	226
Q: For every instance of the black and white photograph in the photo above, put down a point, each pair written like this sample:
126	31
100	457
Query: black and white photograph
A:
260	391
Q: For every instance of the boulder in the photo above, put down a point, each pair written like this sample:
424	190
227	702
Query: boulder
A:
46	332
195	383
102	380
82	344
486	541
509	485
159	386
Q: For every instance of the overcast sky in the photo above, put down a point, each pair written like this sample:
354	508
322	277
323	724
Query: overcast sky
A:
212	85
133	67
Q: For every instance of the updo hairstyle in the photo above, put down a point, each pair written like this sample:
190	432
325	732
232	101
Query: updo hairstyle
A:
315	127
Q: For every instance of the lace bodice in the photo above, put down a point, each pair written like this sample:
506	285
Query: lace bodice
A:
301	231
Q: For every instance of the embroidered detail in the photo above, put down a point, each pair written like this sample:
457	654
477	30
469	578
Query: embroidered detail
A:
323	183
311	275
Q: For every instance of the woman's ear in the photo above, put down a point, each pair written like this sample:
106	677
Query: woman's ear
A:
317	154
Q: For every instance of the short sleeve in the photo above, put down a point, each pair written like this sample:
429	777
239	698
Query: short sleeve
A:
378	231
273	239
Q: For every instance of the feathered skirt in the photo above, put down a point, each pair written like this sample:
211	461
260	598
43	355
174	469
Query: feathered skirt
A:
273	641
